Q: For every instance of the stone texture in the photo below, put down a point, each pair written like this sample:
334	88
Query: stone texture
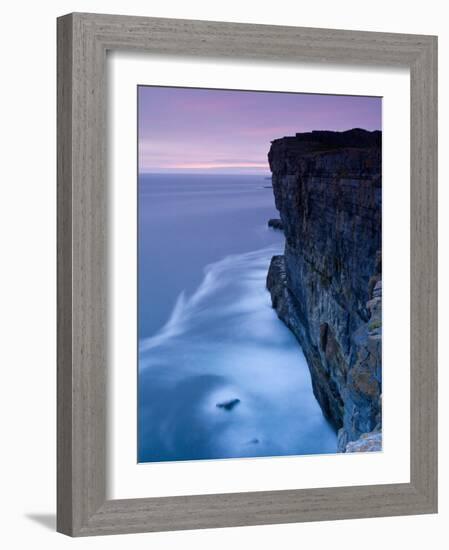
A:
327	286
366	442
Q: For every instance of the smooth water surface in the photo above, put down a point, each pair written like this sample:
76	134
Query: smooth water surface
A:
220	375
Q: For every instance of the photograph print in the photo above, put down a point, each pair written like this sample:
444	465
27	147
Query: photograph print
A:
259	274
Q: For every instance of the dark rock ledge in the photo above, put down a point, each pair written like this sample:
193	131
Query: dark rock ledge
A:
275	223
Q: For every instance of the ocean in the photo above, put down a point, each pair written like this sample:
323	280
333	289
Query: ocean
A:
219	375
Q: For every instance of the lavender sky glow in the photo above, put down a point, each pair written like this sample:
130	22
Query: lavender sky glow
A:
229	132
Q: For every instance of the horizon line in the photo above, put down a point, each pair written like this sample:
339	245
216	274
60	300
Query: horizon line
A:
203	172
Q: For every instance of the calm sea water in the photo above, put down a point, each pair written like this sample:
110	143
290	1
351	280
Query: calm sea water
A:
220	376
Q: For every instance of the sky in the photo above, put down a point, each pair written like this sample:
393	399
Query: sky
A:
229	132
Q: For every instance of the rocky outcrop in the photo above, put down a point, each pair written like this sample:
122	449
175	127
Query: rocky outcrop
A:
275	223
327	286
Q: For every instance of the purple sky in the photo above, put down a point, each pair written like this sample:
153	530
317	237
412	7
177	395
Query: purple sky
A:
219	131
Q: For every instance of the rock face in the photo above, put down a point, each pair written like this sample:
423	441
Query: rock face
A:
327	286
367	442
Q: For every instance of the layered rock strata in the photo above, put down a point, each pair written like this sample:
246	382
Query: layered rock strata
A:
327	286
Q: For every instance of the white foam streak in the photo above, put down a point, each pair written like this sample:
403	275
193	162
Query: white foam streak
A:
247	267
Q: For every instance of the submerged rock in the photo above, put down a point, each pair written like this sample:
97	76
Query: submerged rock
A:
275	224
228	405
327	286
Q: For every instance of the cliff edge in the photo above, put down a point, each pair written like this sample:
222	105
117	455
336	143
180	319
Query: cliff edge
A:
327	286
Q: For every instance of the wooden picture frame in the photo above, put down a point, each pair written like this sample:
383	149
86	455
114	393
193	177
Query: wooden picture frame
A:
83	40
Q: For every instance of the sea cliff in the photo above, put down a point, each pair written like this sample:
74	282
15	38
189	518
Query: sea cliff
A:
327	286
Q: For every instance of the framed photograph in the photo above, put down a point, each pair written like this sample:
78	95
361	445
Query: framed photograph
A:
247	274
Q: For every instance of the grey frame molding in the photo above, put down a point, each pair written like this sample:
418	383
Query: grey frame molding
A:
83	40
